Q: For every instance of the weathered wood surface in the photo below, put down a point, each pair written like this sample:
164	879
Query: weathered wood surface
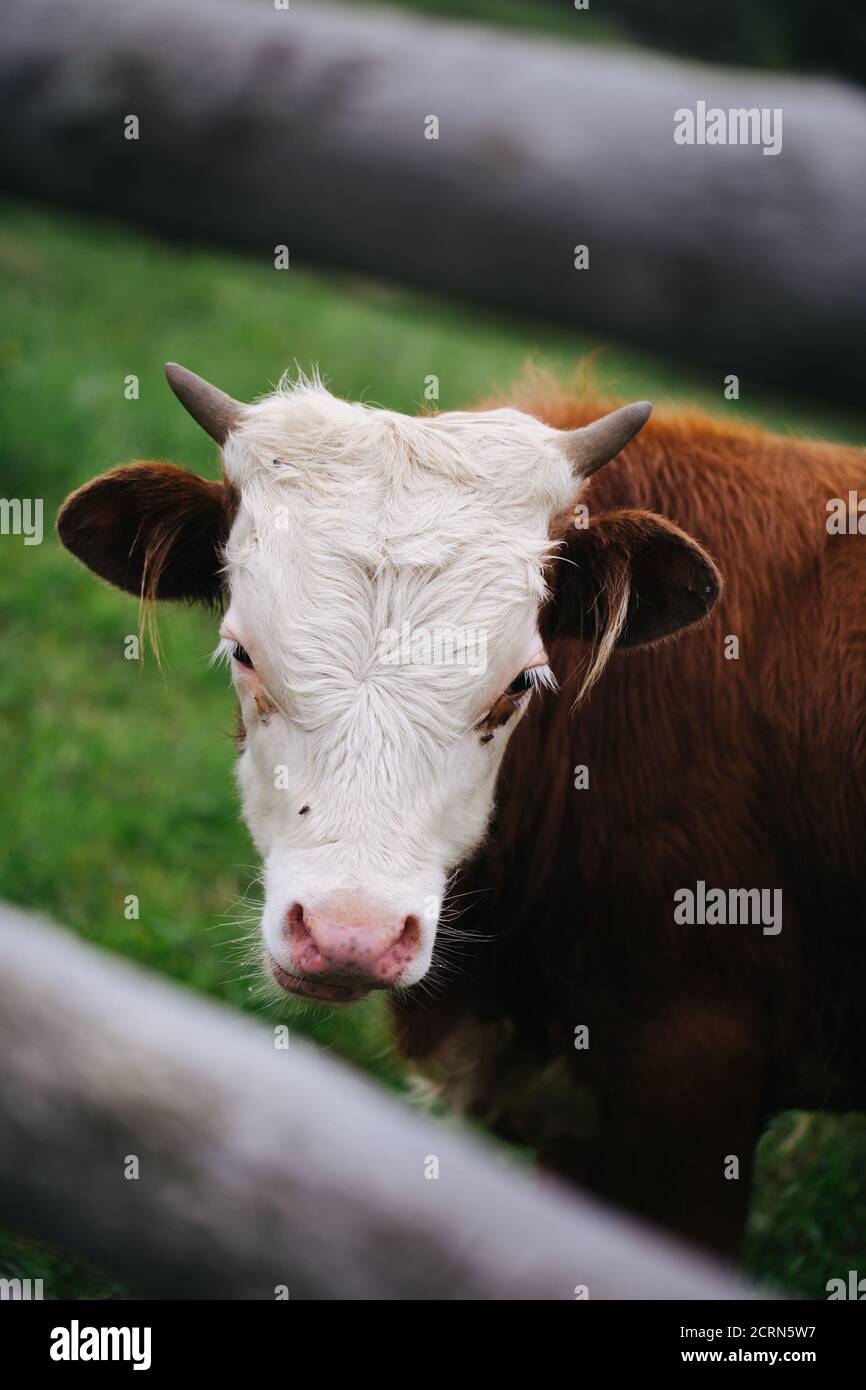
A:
305	127
261	1167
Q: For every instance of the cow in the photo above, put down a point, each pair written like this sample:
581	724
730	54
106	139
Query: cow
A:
657	878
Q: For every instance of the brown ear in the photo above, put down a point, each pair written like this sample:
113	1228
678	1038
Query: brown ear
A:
629	578
152	529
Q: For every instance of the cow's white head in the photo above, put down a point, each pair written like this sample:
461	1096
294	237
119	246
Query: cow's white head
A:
382	579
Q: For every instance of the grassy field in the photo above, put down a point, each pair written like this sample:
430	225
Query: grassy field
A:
560	21
117	773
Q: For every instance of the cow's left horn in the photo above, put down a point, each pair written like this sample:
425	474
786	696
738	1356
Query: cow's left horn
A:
591	447
210	407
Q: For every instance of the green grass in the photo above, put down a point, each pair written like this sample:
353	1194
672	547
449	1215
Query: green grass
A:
561	21
119	773
63	1275
808	1216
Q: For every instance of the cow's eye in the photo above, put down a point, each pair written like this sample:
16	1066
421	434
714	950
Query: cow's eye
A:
508	702
242	656
512	698
520	684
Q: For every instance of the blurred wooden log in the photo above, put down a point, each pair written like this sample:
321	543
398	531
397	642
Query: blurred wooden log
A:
260	1167
306	127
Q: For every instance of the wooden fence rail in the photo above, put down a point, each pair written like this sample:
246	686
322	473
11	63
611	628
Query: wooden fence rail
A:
260	1168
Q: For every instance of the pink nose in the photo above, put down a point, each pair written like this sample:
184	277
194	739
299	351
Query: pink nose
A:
348	936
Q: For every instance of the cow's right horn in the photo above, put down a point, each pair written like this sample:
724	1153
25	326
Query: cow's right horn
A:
210	407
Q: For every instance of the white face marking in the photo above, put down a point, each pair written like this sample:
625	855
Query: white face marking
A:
385	575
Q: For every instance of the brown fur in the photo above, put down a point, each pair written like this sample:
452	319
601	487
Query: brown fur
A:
747	773
153	529
627	579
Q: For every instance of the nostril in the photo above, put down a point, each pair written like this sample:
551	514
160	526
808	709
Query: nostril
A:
294	919
295	928
411	933
403	949
302	944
